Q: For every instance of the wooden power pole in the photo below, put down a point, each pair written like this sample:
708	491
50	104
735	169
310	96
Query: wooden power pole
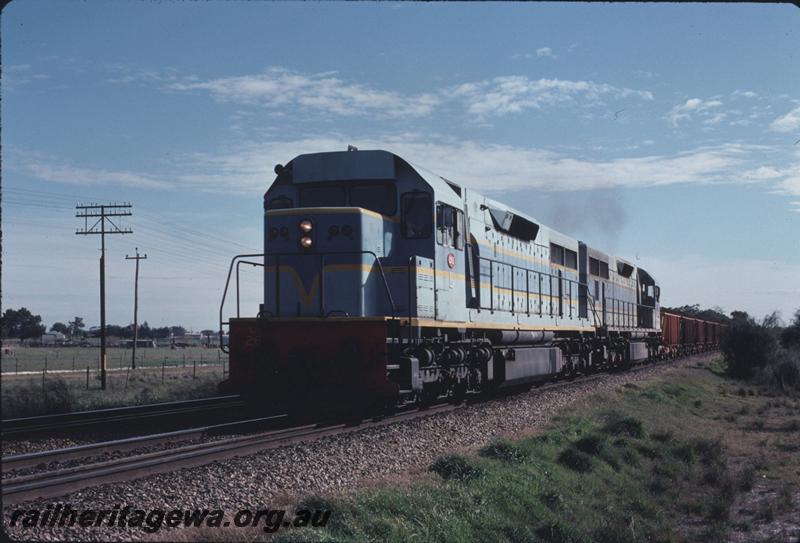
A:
102	212
137	258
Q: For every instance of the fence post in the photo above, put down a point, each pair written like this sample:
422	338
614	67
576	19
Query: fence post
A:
87	377
44	372
163	366
194	369
45	362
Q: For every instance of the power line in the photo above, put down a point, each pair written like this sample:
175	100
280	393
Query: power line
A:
137	258
103	214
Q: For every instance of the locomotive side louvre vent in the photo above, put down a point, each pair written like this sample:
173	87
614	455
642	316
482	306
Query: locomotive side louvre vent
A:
514	225
623	268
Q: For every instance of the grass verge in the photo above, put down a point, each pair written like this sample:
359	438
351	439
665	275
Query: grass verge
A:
661	461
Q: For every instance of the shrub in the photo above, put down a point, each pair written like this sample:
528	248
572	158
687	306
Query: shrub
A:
575	460
662	436
552	499
709	450
455	467
591	444
747	478
503	450
786	370
747	346
627	426
684	453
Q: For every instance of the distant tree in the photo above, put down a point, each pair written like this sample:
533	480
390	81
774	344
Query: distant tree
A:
748	345
177	330
76	327
716	314
161	333
145	331
60	327
740	316
21	323
207	334
790	337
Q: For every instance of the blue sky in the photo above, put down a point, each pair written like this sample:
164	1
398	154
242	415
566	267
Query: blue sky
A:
661	132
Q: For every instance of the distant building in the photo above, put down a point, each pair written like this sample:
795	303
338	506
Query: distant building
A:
53	338
140	343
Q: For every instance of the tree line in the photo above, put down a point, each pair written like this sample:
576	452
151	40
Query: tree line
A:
22	324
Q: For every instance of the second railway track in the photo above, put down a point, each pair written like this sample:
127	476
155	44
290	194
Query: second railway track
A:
28	426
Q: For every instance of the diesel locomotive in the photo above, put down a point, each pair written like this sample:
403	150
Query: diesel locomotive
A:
385	284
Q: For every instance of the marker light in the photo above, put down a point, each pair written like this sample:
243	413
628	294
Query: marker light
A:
305	226
306	242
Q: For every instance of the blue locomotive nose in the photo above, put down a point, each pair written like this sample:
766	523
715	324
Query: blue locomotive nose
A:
324	262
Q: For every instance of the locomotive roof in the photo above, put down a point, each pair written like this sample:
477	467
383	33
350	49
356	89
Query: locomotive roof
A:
379	164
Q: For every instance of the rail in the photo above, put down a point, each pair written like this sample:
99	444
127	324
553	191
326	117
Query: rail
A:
80	419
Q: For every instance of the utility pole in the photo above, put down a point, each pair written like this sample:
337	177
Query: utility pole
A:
102	212
137	258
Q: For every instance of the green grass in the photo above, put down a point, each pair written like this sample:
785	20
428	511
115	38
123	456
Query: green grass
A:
78	358
25	397
645	463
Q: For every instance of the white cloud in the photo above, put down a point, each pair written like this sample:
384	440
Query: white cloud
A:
484	166
281	88
488	167
513	94
787	123
48	168
16	76
692	106
545	52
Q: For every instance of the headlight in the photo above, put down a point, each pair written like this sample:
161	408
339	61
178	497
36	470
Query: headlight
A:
305	226
306	242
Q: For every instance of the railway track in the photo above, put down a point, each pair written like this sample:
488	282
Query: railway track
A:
85	419
48	484
57	482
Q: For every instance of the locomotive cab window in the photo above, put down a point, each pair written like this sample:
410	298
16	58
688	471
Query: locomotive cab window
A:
323	196
377	197
280	202
556	254
417	217
571	259
449	226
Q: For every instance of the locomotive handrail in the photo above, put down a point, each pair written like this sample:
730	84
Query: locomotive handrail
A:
527	271
225	294
237	280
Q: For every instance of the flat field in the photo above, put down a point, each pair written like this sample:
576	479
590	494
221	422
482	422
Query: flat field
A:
24	359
